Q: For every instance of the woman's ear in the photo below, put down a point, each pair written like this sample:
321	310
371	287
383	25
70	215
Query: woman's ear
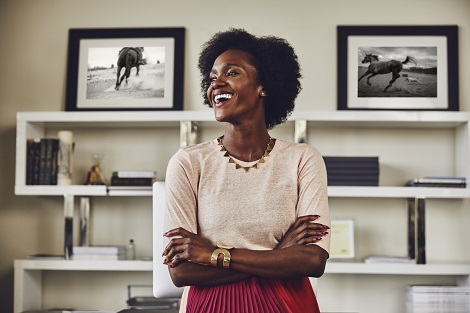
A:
262	93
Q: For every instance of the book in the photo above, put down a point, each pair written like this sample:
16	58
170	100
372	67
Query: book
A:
438	181
103	250
32	161
352	171
41	161
117	181
44	256
134	174
127	190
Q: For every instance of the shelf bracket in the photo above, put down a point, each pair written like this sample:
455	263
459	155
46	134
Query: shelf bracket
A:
188	133
300	134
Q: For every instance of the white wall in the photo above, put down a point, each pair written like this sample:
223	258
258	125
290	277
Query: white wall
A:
33	58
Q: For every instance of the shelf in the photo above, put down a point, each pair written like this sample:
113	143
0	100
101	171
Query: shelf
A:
398	269
398	192
33	124
380	119
333	192
331	267
73	190
83	265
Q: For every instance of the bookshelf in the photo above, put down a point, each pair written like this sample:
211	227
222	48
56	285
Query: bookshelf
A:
195	126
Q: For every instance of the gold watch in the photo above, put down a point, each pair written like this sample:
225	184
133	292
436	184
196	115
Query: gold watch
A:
221	250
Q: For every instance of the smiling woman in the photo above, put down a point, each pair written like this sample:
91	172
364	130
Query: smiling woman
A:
247	215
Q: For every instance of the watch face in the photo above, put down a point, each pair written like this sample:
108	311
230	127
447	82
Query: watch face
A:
225	247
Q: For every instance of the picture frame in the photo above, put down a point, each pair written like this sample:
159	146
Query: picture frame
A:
427	55
342	239
150	62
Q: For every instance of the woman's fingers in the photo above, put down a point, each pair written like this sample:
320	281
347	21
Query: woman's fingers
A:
186	246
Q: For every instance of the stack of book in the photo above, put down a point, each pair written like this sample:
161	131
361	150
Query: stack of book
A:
41	161
352	171
438	181
437	299
133	178
99	252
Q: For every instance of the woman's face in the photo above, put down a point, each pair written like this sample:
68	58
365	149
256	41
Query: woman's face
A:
235	91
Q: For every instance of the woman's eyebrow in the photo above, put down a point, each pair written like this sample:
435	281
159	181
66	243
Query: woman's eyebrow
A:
227	65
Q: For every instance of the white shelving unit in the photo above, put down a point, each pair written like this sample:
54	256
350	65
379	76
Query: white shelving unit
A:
28	273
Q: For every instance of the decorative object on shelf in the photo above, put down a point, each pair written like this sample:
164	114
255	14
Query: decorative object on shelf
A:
342	239
131	250
416	64
125	69
84	221
417	229
68	231
65	158
95	175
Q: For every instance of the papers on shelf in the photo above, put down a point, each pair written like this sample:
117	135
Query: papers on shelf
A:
428	299
388	259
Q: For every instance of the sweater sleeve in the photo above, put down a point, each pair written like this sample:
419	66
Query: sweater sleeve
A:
313	191
181	194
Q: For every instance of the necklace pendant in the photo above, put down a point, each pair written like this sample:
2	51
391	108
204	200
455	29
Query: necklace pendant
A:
269	148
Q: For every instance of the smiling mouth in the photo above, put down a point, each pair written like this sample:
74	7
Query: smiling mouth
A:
221	98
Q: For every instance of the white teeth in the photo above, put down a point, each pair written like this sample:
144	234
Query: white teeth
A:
223	96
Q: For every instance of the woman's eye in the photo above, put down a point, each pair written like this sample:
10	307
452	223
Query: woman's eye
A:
231	74
212	78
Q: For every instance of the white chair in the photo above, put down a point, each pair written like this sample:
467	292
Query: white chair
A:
163	287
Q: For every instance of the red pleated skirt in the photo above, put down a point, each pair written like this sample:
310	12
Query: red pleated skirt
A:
254	295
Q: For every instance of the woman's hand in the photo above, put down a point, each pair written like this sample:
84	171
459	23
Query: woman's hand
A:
303	231
190	247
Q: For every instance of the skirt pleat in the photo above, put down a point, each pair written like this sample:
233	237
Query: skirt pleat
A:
254	295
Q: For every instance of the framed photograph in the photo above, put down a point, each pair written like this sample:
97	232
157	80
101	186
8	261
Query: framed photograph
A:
398	68
125	69
342	239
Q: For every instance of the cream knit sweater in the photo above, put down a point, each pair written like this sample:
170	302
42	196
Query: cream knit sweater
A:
245	209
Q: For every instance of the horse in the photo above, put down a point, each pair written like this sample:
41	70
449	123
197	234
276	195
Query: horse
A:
129	57
377	67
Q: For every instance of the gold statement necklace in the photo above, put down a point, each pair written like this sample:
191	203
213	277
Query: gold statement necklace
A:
246	168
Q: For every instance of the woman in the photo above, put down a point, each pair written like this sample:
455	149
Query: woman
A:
247	215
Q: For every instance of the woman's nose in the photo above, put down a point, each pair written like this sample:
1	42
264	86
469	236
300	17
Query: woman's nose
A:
217	82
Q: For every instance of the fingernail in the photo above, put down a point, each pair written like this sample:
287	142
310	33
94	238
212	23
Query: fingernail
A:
325	233
316	215
325	227
171	265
